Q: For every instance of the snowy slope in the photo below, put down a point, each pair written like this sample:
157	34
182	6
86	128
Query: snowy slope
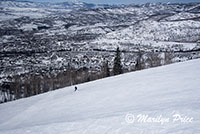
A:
100	107
10	9
154	33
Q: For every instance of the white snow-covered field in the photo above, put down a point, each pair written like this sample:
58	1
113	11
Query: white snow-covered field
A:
168	95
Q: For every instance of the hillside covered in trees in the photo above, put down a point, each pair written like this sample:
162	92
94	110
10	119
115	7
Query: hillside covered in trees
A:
44	46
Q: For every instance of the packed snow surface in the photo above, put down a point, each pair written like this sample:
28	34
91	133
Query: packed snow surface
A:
108	106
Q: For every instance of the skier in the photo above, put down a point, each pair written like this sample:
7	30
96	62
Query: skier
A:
75	89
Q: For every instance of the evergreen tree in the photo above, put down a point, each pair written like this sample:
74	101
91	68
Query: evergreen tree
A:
106	69
117	69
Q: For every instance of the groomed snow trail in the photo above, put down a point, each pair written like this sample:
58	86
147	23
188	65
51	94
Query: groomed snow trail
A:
100	107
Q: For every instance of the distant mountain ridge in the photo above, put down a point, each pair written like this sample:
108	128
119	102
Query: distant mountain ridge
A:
66	5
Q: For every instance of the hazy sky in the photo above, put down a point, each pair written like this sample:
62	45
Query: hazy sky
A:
117	1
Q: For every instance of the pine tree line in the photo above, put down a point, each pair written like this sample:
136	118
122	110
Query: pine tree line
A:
25	85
